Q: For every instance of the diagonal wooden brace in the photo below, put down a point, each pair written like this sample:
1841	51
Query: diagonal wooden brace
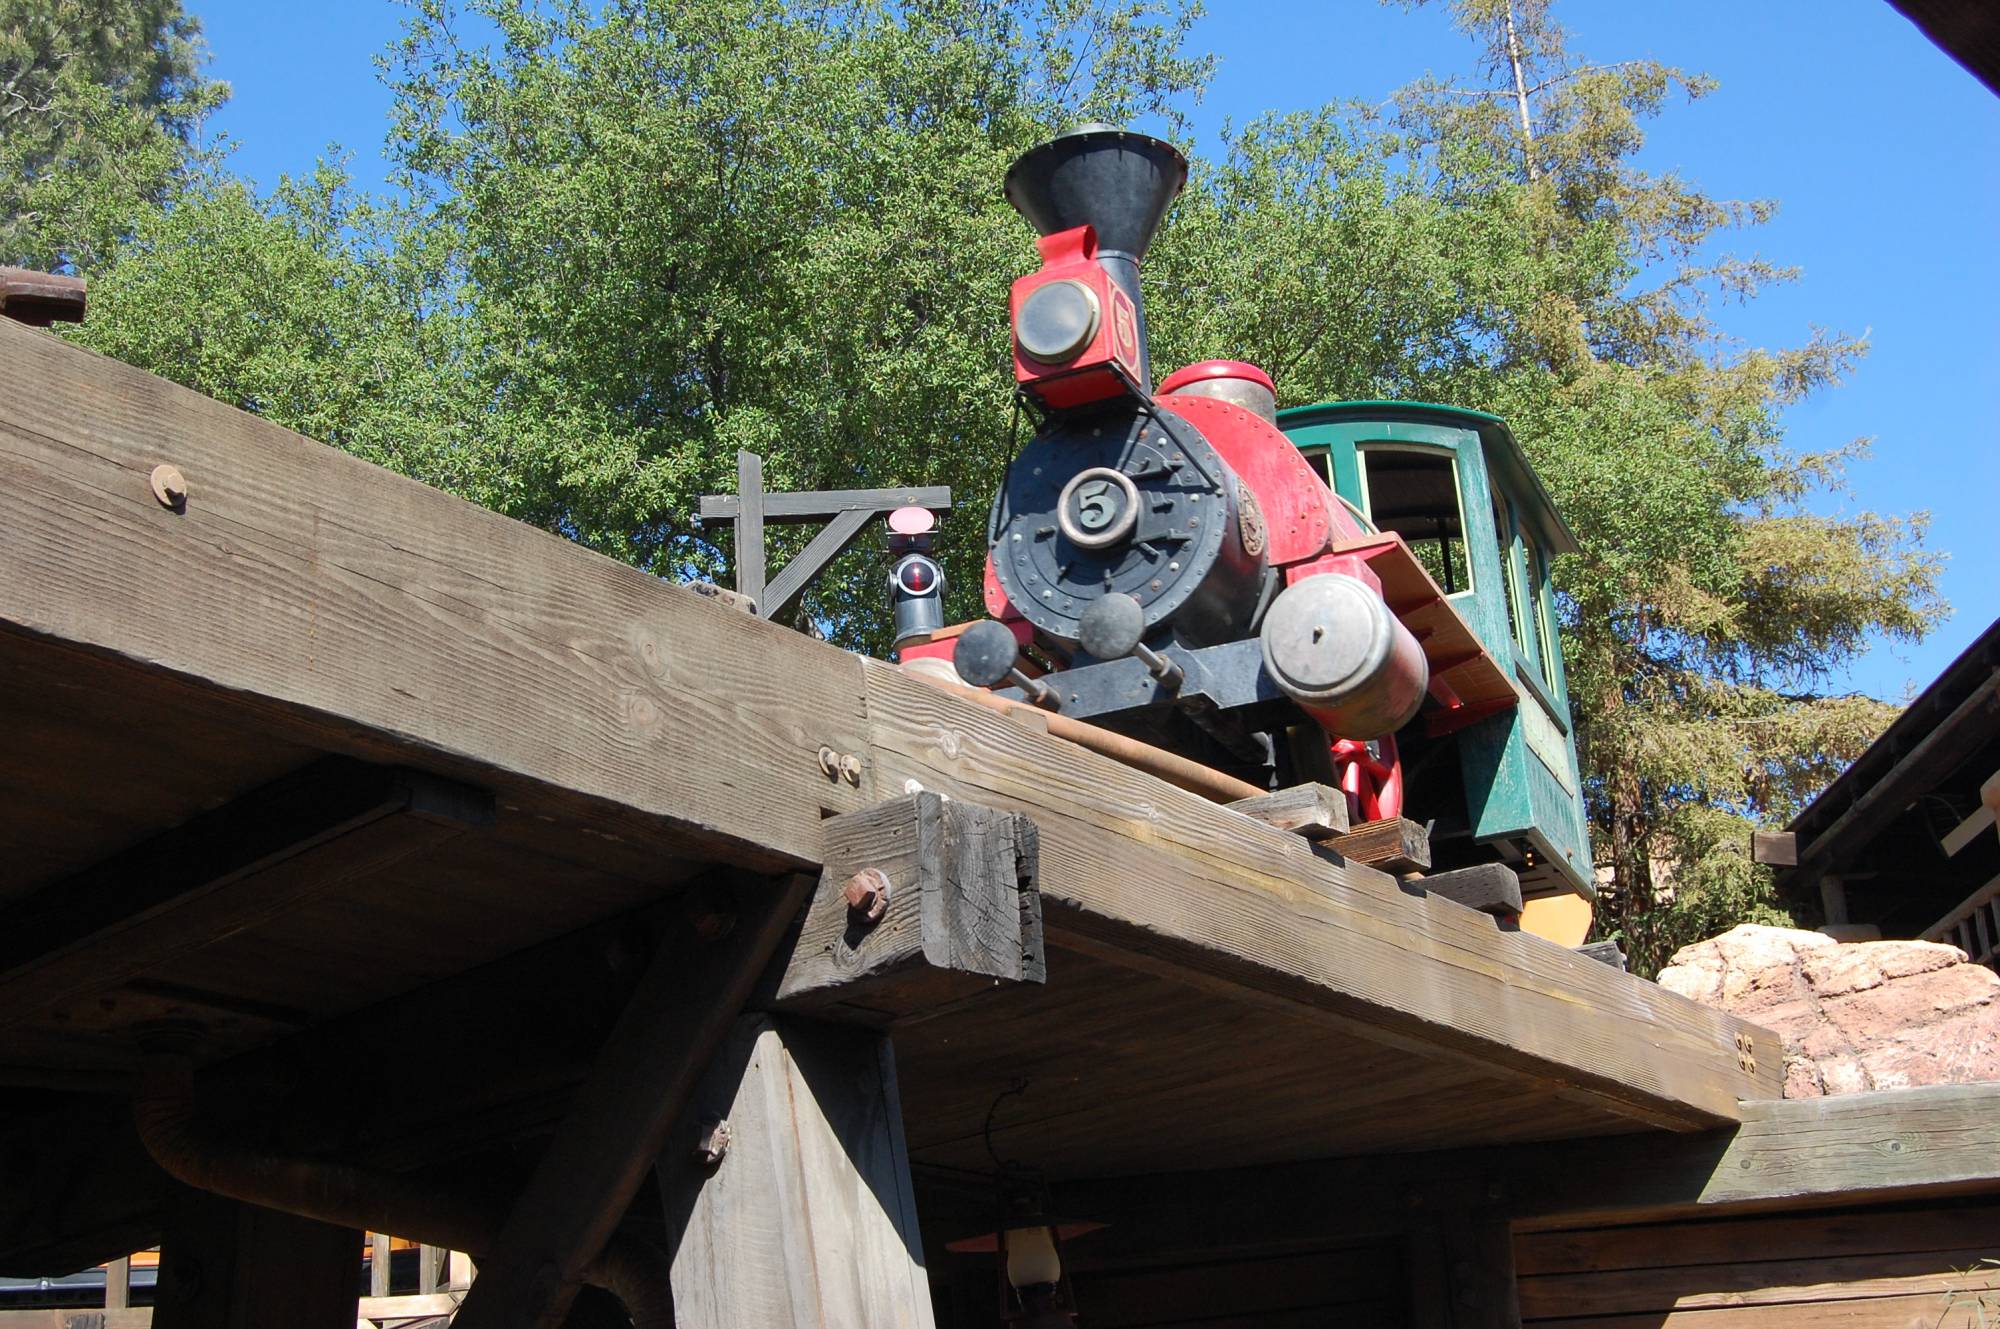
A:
621	1117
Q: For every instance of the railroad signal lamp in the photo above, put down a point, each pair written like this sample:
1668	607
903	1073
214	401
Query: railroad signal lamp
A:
916	583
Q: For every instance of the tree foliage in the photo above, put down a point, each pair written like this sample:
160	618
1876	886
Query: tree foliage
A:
99	102
630	238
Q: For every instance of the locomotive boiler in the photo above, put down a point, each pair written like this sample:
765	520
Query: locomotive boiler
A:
1166	562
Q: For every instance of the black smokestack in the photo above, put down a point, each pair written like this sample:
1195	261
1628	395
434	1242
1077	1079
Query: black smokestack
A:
1102	176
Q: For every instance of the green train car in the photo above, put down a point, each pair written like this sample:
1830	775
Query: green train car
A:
1457	487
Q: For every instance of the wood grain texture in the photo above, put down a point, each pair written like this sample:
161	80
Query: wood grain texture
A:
1918	1310
809	1219
1853	1149
1801	1285
1394	844
963	911
348	606
1491	888
1164	880
1315	811
1876	1231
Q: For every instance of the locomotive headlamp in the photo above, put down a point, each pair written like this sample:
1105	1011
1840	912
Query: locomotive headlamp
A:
1057	321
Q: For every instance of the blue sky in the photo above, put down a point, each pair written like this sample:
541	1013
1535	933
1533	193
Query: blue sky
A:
1884	155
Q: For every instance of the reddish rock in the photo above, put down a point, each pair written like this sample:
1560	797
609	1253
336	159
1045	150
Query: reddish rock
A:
1853	1016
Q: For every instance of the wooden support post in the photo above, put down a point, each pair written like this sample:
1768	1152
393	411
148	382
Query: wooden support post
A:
378	1264
427	1269
227	1265
808	1218
923	902
637	1087
118	1284
749	553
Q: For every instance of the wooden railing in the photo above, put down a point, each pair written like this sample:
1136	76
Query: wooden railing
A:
1973	926
442	1280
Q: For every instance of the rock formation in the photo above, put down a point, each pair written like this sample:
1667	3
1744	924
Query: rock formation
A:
1853	1016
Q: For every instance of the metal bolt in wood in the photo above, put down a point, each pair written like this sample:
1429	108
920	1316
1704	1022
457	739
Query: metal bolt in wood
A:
169	486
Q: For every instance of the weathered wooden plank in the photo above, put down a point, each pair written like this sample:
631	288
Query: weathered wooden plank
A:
1852	1148
958	911
407	1307
820	504
1857	1149
748	553
1162	879
809	1219
1919	1310
1721	1239
1394	844
362	612
1315	811
1755	1282
637	1086
1491	888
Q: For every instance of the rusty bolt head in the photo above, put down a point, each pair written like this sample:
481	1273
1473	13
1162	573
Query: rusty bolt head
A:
714	1142
868	894
169	487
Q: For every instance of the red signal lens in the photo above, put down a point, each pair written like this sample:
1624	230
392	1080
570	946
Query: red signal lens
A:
918	576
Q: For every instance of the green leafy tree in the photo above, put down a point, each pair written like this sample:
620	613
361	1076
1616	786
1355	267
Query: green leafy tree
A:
1711	602
700	227
100	101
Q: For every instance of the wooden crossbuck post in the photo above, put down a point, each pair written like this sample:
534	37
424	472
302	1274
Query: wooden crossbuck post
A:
846	513
807	1218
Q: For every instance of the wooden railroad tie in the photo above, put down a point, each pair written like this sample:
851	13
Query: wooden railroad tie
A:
1395	845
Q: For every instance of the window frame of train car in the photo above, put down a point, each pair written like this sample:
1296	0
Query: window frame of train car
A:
1497	755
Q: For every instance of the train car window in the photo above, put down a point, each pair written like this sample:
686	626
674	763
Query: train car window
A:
1320	458
1415	493
1541	597
1510	572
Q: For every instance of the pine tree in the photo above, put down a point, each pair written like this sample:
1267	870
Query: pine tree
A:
100	101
